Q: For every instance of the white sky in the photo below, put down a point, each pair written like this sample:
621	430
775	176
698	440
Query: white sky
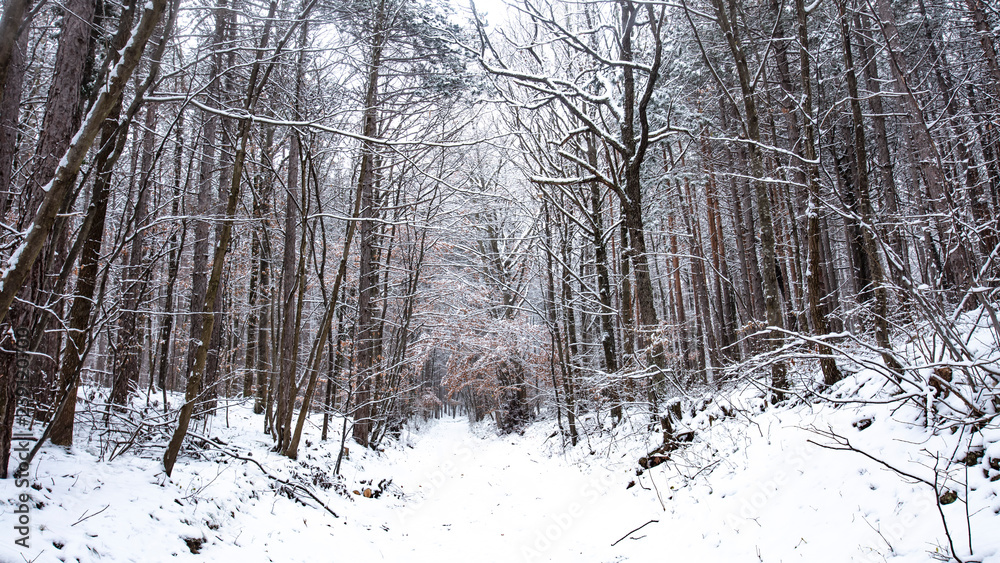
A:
496	10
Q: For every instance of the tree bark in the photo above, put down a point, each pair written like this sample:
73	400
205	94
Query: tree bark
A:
290	290
607	312
261	214
127	359
11	25
11	87
867	215
699	281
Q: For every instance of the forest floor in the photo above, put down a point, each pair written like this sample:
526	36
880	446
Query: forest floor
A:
754	485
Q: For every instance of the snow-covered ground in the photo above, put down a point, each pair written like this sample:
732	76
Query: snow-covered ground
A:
454	496
756	484
753	489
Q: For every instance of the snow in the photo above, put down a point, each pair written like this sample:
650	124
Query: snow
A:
15	256
756	484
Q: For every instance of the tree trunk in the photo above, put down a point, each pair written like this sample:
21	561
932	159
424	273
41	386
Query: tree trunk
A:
11	24
986	40
335	360
816	291
61	430
367	229
699	280
11	86
606	315
205	207
129	348
978	200
323	336
724	301
680	312
552	320
628	312
261	214
290	285
957	265
111	146
253	317
571	350
879	290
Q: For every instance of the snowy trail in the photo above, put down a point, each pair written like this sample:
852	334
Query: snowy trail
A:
465	498
472	500
505	499
456	497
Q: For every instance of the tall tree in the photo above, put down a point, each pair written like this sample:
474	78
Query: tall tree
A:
831	374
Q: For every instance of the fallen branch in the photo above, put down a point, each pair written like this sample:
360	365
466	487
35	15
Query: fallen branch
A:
85	516
633	531
843	444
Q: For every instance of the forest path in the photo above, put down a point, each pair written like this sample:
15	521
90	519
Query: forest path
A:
494	499
459	497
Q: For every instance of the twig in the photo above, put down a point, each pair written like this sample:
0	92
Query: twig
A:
633	531
845	445
944	521
84	517
968	517
879	532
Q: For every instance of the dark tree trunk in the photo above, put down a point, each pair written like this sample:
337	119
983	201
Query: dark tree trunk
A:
290	283
867	215
628	312
699	281
606	315
61	430
956	259
129	347
817	311
680	313
11	86
571	350
367	230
